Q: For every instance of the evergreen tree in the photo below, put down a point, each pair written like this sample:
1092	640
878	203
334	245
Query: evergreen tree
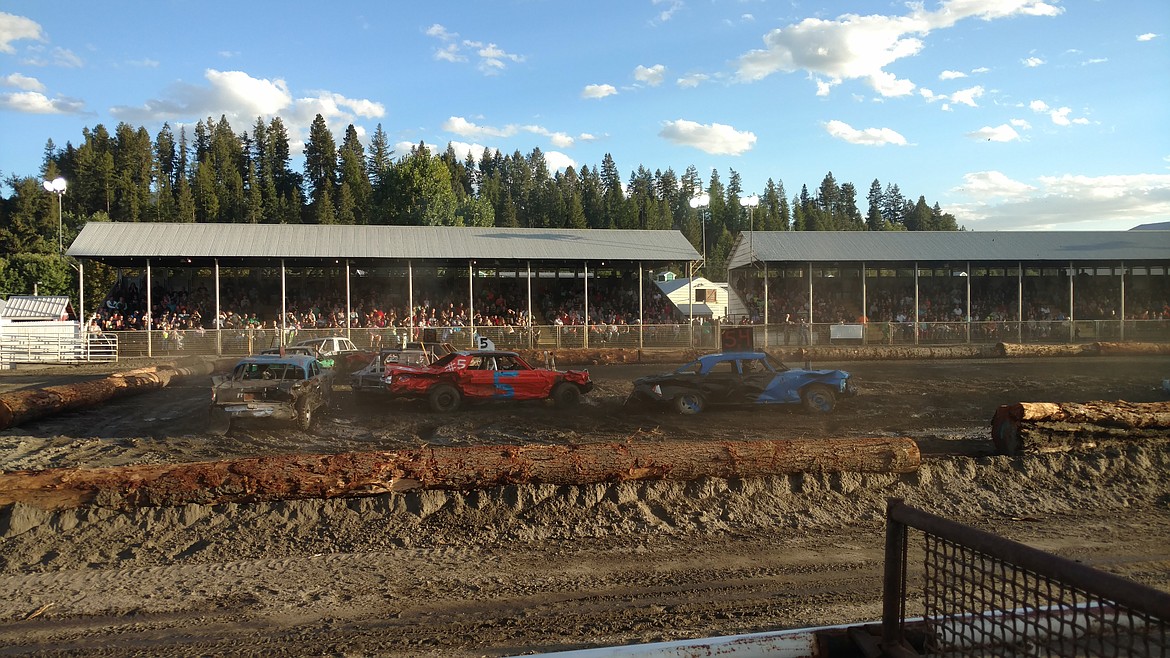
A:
873	216
359	192
165	164
850	216
321	170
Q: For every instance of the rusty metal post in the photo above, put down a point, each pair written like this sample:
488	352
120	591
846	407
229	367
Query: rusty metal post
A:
894	578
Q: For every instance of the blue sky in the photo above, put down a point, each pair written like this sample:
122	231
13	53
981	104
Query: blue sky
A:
1011	114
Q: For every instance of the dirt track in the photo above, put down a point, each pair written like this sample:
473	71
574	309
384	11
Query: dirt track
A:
530	569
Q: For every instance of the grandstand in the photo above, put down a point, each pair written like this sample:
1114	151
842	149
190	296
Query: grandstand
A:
230	287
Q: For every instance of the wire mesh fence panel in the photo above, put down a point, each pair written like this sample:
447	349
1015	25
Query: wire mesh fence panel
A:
985	595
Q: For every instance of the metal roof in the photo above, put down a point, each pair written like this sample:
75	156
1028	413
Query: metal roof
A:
41	307
949	246
124	241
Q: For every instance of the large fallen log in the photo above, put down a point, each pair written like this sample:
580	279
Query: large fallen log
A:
281	477
1037	427
23	405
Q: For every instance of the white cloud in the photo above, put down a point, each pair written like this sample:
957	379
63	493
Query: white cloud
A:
462	149
992	185
981	69
1022	124
692	80
867	137
860	47
598	91
1069	202
671	7
651	76
34	102
461	126
22	82
241	98
951	75
967	96
146	63
450	53
58	56
1033	62
1059	115
715	138
15	28
1148	36
557	139
440	32
492	59
1000	133
558	161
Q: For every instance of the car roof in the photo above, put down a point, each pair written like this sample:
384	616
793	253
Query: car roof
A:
486	353
301	360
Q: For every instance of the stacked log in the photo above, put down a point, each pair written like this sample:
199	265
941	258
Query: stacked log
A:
21	406
281	477
1039	427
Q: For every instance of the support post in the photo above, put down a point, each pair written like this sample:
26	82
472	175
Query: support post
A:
586	336
894	580
864	306
283	306
1121	316
531	325
81	297
215	323
410	298
968	277
1020	302
917	319
471	301
1072	321
766	304
347	301
149	313
641	308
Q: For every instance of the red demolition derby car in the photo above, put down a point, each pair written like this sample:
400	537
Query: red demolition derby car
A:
484	375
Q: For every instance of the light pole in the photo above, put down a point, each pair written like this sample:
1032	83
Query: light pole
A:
750	203
57	186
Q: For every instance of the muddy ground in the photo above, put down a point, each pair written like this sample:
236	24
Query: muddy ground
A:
543	568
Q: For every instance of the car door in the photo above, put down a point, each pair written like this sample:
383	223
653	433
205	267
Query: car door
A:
758	377
517	380
722	384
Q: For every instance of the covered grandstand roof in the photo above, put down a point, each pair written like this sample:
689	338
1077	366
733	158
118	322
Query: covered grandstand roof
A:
950	246
132	242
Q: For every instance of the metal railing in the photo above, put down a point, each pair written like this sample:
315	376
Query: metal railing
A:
16	347
986	595
701	336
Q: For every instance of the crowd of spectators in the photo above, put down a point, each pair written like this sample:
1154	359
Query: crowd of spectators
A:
249	306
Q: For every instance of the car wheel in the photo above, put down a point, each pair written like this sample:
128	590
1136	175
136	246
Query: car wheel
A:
445	398
566	395
819	399
219	421
689	404
304	415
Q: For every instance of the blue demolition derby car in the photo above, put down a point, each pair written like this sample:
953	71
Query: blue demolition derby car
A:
743	378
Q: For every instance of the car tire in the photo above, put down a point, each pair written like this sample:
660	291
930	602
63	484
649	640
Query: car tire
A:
818	399
444	398
566	395
304	415
689	404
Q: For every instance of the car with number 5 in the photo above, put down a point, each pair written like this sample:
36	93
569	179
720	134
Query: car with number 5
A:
484	375
743	378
